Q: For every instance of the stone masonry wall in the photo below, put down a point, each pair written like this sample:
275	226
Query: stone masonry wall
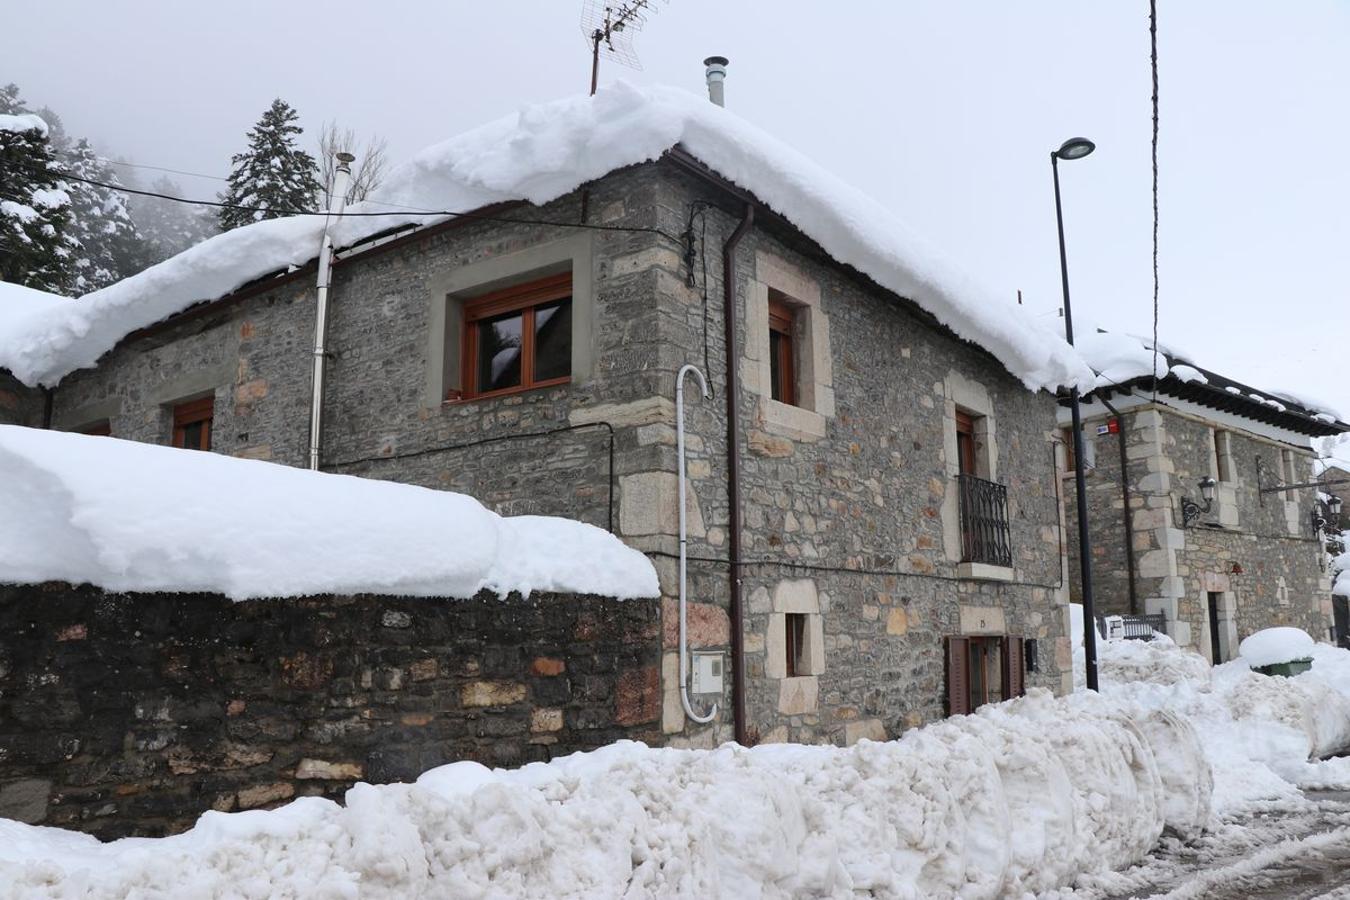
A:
1259	558
849	505
132	713
849	515
19	404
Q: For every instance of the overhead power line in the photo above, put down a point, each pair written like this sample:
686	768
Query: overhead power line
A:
220	204
1153	40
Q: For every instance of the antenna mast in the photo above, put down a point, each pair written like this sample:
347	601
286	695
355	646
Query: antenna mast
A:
609	26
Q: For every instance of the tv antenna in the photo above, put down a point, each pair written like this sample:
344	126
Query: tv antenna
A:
609	27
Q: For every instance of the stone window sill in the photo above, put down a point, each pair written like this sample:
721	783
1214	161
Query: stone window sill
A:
984	572
791	421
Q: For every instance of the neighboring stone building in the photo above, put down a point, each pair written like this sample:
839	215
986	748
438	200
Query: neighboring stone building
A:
903	547
1252	559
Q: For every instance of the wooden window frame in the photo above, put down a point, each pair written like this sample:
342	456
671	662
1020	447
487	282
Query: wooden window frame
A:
101	428
795	629
783	321
190	413
967	461
524	298
1012	659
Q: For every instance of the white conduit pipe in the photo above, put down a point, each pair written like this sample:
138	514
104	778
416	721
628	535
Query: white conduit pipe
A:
336	201
684	541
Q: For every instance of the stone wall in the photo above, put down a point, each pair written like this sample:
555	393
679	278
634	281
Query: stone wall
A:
1256	554
850	499
19	404
850	510
132	713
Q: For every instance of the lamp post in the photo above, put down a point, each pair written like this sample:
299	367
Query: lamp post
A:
1077	148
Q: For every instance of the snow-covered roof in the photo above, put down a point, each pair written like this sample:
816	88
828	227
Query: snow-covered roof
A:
537	155
129	516
1123	360
18	305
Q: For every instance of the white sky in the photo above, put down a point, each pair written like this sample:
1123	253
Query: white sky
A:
946	111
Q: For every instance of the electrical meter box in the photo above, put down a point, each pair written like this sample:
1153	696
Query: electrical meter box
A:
707	672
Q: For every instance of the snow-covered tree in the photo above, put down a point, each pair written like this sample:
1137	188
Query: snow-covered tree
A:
273	173
110	247
35	249
168	227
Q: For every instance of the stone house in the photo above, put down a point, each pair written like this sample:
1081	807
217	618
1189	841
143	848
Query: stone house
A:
1219	570
882	544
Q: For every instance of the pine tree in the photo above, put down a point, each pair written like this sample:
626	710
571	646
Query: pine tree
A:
273	173
110	246
35	249
169	228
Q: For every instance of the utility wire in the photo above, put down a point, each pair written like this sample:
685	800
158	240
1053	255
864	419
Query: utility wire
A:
1153	40
220	204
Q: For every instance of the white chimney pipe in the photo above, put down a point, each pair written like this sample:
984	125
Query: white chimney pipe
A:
715	71
336	201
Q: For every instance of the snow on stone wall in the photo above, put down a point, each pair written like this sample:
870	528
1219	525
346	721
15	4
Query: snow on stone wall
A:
128	516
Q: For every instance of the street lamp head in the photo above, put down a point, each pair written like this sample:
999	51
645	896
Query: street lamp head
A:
1075	148
1207	488
1334	506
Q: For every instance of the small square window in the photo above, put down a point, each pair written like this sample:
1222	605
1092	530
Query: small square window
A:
782	352
192	423
518	338
795	643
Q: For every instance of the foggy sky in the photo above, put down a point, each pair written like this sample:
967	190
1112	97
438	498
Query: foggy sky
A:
945	111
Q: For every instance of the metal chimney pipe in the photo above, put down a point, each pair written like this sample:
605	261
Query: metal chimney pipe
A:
715	71
336	201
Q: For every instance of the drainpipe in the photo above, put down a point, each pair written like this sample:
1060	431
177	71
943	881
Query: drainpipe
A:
684	542
715	73
1129	515
48	401
734	471
336	201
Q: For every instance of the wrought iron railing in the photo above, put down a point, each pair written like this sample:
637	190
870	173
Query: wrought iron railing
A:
1135	628
985	535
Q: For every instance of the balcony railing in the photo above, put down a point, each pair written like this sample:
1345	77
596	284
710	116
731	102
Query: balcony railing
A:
985	535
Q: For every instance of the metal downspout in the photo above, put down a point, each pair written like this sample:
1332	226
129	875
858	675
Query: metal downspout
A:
336	201
684	543
1129	514
732	345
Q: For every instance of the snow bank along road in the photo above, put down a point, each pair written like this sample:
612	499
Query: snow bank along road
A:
1031	796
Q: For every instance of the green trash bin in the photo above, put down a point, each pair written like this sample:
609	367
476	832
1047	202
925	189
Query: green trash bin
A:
1287	669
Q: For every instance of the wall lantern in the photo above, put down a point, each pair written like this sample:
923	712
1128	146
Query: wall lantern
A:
1236	570
1192	511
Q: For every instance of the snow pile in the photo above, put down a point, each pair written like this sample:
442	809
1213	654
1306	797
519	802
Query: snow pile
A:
1158	661
542	153
1021	797
131	516
1276	645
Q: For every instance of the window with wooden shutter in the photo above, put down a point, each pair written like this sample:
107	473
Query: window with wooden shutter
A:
958	676
1014	661
782	352
192	424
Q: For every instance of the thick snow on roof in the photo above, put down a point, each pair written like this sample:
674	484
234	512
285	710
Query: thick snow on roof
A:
18	307
537	155
1117	358
129	516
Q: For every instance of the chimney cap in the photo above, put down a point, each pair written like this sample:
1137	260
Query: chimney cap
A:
344	157
716	61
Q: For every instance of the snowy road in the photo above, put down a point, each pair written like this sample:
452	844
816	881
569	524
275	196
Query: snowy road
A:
1291	851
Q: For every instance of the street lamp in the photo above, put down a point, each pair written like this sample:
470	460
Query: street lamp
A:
1192	511
1077	148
